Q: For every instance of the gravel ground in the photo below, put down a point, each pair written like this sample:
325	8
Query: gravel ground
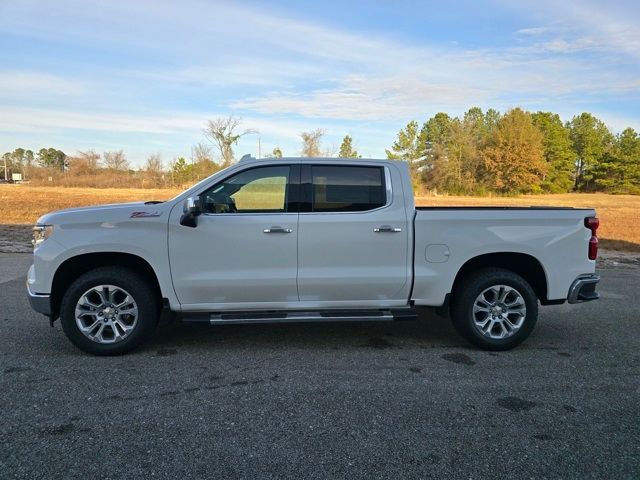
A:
15	239
397	400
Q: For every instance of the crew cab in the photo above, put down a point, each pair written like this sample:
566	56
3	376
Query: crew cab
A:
306	240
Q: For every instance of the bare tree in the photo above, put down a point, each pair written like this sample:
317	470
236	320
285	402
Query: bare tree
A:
154	168
91	157
311	142
201	152
202	161
83	163
115	160
224	133
154	165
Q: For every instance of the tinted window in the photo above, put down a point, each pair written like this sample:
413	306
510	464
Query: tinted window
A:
347	189
258	190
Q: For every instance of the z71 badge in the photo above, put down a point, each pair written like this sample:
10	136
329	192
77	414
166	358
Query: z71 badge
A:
145	214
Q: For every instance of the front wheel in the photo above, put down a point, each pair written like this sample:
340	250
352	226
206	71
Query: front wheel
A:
494	309
109	311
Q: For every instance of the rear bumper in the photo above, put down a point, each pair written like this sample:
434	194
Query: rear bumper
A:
39	302
583	289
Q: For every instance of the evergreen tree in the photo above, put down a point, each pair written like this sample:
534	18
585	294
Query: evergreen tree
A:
181	171
453	147
455	166
346	148
436	130
628	143
408	148
52	158
491	119
591	140
558	152
432	147
474	123
618	171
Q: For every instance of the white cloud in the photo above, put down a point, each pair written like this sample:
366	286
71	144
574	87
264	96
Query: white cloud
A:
254	72
17	83
367	98
20	119
563	45
24	119
585	24
532	31
613	29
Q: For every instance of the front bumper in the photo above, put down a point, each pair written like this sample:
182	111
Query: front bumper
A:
41	303
583	289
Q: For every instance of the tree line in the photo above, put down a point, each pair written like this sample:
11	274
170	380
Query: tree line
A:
109	169
476	153
519	152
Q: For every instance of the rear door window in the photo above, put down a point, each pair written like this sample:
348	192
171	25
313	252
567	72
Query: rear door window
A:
347	188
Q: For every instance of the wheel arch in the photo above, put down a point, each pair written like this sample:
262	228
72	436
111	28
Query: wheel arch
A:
73	267
525	265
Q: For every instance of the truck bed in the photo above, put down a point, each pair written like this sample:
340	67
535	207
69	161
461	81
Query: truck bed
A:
447	237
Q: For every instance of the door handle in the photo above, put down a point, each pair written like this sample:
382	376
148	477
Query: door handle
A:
277	230
387	229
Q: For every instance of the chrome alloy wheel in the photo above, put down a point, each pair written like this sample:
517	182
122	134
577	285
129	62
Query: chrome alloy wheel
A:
499	312
106	314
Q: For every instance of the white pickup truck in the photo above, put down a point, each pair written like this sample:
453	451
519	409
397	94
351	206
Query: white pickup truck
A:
306	239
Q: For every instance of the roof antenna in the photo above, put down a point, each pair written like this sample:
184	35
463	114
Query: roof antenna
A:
246	157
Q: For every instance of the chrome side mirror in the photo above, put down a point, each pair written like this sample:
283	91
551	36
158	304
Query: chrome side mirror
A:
193	206
191	211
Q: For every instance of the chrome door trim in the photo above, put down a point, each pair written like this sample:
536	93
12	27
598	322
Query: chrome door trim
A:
387	229
277	230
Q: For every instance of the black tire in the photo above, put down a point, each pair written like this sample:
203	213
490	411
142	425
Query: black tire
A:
135	285
465	295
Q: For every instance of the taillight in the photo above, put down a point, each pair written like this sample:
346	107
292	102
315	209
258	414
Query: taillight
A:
592	223
593	248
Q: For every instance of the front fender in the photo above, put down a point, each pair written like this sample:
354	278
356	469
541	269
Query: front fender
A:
144	239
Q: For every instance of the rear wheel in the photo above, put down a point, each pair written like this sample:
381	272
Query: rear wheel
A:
109	311
495	309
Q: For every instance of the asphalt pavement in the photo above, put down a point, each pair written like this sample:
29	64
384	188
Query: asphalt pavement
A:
394	400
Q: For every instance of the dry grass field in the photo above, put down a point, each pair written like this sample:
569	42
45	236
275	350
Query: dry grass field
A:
619	214
23	204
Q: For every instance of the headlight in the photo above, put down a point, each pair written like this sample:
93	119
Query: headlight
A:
41	233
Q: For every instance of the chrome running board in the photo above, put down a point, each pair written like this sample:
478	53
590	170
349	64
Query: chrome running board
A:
301	316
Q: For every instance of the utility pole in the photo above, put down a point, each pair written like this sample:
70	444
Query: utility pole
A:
259	148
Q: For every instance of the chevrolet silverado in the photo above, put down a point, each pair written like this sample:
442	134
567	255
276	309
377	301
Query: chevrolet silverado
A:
302	240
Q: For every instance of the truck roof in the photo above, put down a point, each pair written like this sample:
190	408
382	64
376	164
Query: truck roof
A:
249	158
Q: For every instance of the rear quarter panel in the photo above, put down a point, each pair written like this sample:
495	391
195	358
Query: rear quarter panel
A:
556	238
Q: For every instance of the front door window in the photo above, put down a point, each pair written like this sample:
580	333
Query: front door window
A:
258	190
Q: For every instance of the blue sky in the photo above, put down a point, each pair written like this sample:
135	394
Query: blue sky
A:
145	76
